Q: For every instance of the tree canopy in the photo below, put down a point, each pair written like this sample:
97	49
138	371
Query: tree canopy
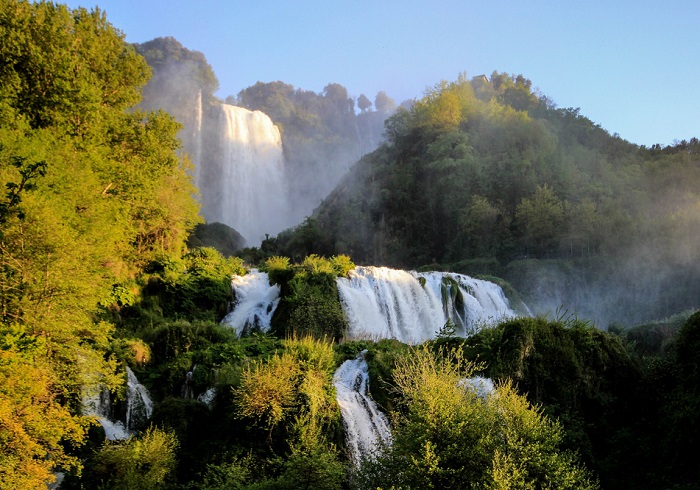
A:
491	170
92	192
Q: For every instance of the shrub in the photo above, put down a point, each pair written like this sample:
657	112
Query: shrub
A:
145	462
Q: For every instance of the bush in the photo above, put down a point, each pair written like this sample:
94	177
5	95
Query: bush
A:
145	462
446	435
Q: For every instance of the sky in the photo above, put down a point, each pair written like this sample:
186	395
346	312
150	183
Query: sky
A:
631	66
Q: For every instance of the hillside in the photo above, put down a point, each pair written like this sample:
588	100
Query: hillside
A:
487	176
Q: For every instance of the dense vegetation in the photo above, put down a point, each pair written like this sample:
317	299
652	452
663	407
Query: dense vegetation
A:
490	177
95	275
91	194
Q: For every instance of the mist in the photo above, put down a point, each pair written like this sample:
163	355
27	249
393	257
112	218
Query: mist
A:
265	159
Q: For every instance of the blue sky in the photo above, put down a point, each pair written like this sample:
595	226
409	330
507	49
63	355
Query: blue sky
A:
631	66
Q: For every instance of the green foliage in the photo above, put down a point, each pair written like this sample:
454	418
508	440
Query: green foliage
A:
278	269
381	360
291	396
91	191
34	428
144	462
585	377
489	170
234	474
310	303
293	384
541	218
446	436
198	286
133	352
315	468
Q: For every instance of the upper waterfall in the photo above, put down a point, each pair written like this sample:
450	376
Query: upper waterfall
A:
245	184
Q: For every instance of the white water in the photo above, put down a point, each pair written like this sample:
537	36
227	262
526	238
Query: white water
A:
256	301
366	428
481	386
245	186
197	140
385	303
139	408
98	404
483	301
208	397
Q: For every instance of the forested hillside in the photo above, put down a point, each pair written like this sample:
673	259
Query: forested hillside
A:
488	176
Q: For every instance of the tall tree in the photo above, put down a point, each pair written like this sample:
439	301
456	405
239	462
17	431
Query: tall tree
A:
93	191
540	218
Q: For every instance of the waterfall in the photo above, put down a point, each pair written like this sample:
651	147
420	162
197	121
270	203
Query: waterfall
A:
255	303
208	397
97	402
468	302
379	302
479	385
197	140
245	185
385	303
366	428
139	406
99	405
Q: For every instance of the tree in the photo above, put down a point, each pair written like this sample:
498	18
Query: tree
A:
34	427
478	224
145	462
363	103
540	219
92	191
384	103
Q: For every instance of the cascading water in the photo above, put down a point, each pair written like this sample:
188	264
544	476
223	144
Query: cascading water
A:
99	405
467	302
385	303
379	302
366	428
197	139
245	185
256	301
139	408
208	397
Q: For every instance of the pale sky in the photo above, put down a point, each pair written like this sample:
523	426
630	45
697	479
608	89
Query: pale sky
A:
631	66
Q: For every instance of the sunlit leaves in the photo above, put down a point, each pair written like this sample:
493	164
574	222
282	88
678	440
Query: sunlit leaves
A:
143	462
33	427
291	386
447	436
